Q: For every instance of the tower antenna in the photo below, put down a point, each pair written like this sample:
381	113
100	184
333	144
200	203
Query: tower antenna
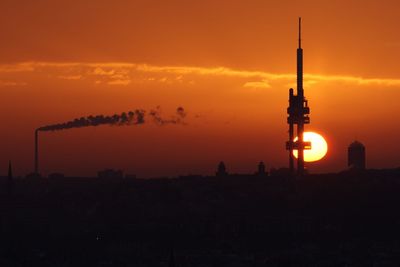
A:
299	32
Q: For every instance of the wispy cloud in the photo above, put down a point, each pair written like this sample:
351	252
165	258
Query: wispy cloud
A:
100	71
11	83
70	77
257	85
122	73
119	82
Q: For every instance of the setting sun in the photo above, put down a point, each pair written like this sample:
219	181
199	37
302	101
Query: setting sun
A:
319	147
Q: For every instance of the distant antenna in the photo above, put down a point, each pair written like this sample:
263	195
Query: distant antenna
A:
299	32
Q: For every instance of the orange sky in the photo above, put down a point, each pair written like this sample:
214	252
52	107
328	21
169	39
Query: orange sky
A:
228	63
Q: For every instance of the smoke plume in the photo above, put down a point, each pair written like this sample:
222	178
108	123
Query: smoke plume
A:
135	117
176	119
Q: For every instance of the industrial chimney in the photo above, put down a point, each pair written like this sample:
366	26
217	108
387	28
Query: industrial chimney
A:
36	152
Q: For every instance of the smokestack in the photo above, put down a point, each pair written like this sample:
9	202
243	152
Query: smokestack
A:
10	182
10	174
36	152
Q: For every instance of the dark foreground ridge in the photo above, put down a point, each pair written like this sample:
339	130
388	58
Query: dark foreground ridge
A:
346	219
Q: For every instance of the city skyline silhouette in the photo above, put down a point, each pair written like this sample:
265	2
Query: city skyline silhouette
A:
199	133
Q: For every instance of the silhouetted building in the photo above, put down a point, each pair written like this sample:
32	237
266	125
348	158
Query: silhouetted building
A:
130	176
33	175
56	175
191	176
281	172
221	169
356	156
110	173
261	169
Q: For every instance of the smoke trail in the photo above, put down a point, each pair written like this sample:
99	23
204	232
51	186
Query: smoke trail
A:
177	119
181	112
126	118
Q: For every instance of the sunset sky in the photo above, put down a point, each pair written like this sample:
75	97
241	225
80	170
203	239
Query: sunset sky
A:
228	63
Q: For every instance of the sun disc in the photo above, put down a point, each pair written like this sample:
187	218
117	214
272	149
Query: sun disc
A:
319	147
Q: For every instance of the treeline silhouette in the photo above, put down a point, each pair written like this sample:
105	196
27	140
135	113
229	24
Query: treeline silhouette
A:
345	219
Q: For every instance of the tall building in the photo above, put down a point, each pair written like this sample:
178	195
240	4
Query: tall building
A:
110	173
356	156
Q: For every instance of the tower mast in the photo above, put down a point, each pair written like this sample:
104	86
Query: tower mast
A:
300	95
298	111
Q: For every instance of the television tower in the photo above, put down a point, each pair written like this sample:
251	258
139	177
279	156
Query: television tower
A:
298	111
